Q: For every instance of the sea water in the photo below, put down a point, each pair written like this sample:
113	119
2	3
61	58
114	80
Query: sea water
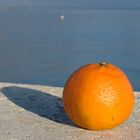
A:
37	46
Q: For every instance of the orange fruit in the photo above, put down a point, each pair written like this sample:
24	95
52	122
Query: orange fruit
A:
98	96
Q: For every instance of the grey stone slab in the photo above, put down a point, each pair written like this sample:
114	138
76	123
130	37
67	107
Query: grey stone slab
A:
34	112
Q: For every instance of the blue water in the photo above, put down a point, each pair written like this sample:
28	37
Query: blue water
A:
37	47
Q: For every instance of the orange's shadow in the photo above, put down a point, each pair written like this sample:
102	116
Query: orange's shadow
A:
41	103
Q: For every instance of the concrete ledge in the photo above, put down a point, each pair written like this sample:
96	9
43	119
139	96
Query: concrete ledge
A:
33	112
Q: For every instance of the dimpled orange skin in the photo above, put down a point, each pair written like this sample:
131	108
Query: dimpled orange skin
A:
98	96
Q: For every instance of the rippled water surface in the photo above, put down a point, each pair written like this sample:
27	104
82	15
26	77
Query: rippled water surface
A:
38	47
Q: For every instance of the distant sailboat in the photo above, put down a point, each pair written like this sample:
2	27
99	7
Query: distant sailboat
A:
62	17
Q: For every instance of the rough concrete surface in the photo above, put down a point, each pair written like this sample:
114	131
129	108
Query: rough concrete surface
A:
34	112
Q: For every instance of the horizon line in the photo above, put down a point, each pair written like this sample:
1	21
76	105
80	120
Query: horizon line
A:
70	7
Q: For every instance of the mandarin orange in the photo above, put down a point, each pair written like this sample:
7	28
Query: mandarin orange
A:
98	96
